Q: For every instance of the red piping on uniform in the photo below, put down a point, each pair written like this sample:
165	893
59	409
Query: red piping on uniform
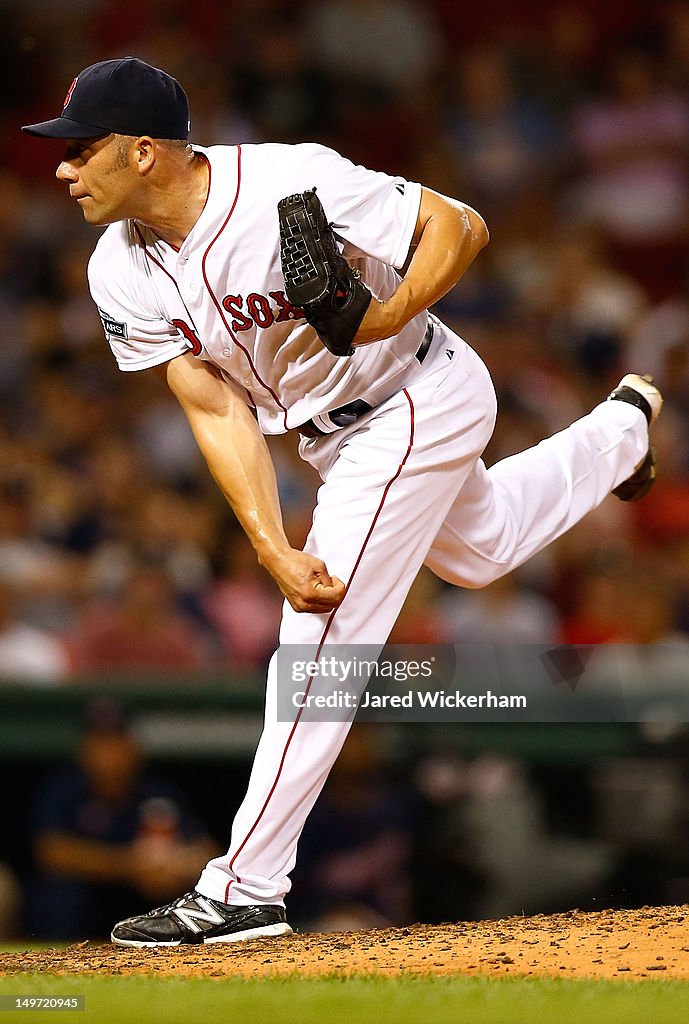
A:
322	641
171	244
153	259
218	305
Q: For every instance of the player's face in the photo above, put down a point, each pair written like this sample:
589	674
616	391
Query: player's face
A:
100	178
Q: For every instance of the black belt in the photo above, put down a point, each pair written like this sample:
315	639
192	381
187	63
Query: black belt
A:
352	411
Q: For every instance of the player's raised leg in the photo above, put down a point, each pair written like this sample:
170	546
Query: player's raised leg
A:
507	513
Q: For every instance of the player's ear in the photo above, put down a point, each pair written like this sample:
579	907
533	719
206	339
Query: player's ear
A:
145	153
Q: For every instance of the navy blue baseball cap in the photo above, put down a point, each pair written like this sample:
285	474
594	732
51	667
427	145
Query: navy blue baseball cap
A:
124	96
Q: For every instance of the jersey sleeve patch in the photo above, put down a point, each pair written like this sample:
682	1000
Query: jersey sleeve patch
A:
113	328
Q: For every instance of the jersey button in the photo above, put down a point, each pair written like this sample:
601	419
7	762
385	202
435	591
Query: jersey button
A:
227	351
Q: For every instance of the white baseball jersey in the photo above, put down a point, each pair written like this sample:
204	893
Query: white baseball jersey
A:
221	295
403	486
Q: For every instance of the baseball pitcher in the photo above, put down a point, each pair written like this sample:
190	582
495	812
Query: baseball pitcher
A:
280	287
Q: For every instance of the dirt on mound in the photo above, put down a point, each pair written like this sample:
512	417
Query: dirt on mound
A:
611	944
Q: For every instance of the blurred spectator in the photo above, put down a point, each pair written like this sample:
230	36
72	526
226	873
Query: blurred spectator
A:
219	116
660	341
141	629
163	432
244	607
391	44
10	896
124	25
495	634
297	486
493	828
634	144
445	846
41	572
109	836
420	621
591	307
603	598
505	144
503	613
27	653
675	43
280	87
78	320
174	530
652	665
562	68
114	472
663	520
527	868
607	536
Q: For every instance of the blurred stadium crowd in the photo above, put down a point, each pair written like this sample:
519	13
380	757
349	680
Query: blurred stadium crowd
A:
567	127
565	124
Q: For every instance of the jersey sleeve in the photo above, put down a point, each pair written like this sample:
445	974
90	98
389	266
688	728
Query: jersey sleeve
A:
140	337
372	211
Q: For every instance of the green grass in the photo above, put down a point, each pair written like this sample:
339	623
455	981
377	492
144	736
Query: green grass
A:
349	1001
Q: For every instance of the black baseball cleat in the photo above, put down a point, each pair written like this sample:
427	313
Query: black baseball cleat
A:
194	918
642	393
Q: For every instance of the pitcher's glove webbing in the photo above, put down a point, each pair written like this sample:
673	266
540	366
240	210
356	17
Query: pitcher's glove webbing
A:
318	278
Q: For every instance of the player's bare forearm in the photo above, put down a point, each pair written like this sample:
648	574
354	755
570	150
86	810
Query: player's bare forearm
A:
238	458
448	238
61	854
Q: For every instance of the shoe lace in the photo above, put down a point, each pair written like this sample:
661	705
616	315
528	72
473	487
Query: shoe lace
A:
171	906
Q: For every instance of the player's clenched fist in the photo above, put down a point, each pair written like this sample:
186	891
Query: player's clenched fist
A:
305	582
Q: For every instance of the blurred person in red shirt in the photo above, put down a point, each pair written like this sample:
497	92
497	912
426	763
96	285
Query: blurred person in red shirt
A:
141	629
244	608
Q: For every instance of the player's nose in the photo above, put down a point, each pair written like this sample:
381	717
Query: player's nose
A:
65	171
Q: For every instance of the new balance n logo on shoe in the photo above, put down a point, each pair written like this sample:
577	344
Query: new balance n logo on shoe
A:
449	352
207	915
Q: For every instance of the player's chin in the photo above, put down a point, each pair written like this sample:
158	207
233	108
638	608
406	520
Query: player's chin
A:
93	214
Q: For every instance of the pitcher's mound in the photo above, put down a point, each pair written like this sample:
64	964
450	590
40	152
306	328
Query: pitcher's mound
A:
651	942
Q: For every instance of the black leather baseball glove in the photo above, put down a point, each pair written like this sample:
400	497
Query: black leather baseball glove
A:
318	278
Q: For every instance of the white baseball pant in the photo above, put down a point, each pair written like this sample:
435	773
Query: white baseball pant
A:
402	487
